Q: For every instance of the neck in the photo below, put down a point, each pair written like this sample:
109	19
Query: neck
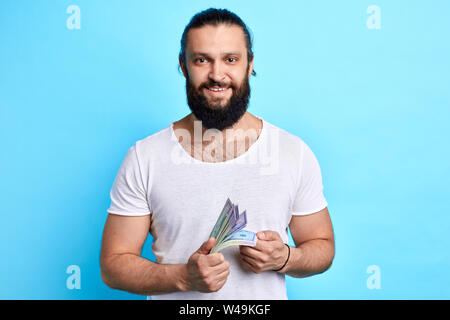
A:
212	145
246	123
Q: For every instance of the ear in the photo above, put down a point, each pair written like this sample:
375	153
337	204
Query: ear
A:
250	67
181	65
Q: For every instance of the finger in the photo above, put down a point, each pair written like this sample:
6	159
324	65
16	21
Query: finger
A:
220	283
207	246
250	252
215	259
268	235
256	262
250	264
216	269
221	267
223	274
219	273
259	246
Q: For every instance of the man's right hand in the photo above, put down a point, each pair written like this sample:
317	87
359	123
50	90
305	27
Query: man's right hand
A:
206	272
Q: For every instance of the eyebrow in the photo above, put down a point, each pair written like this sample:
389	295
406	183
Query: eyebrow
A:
223	54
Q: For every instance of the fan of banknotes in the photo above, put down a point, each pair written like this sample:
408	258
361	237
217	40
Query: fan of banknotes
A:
228	230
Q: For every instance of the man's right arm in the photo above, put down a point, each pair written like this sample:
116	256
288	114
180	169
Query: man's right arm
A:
123	268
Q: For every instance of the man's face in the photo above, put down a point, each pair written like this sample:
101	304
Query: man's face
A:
217	74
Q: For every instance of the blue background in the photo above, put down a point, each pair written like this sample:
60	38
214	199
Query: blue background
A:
373	105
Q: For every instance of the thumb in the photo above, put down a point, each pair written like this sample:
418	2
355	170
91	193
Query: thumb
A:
268	235
207	246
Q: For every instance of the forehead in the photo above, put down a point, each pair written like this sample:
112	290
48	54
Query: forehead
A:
215	39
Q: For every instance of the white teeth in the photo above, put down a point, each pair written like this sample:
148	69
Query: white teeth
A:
216	89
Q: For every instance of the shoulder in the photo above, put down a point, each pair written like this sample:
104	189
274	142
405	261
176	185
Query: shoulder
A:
155	143
287	141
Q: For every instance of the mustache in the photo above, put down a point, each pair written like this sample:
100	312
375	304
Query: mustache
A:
209	84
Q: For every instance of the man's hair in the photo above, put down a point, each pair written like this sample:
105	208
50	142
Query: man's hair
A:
214	17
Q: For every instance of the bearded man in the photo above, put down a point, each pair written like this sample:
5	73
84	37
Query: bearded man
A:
174	183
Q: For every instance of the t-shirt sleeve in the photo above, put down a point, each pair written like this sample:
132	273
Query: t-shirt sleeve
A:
128	195
309	197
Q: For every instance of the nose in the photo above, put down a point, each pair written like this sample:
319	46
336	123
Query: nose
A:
216	73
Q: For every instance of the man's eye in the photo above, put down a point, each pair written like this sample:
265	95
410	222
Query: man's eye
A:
201	60
231	59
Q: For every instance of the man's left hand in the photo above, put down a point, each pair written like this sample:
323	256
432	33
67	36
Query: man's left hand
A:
269	253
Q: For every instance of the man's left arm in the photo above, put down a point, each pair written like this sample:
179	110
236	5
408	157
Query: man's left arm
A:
313	252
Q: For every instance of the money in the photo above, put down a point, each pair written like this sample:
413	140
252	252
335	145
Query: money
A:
228	230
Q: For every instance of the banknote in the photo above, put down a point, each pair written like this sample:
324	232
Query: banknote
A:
228	230
228	224
241	238
228	206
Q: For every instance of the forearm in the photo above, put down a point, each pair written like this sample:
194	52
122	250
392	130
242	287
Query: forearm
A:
310	258
138	275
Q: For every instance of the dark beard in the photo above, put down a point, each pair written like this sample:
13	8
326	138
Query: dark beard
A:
219	117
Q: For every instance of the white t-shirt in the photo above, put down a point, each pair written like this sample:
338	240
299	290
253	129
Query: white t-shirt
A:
277	177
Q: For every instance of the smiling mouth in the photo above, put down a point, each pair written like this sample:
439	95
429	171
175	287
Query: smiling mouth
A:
217	90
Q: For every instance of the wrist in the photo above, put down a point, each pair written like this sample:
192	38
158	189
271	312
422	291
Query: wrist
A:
181	282
283	266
